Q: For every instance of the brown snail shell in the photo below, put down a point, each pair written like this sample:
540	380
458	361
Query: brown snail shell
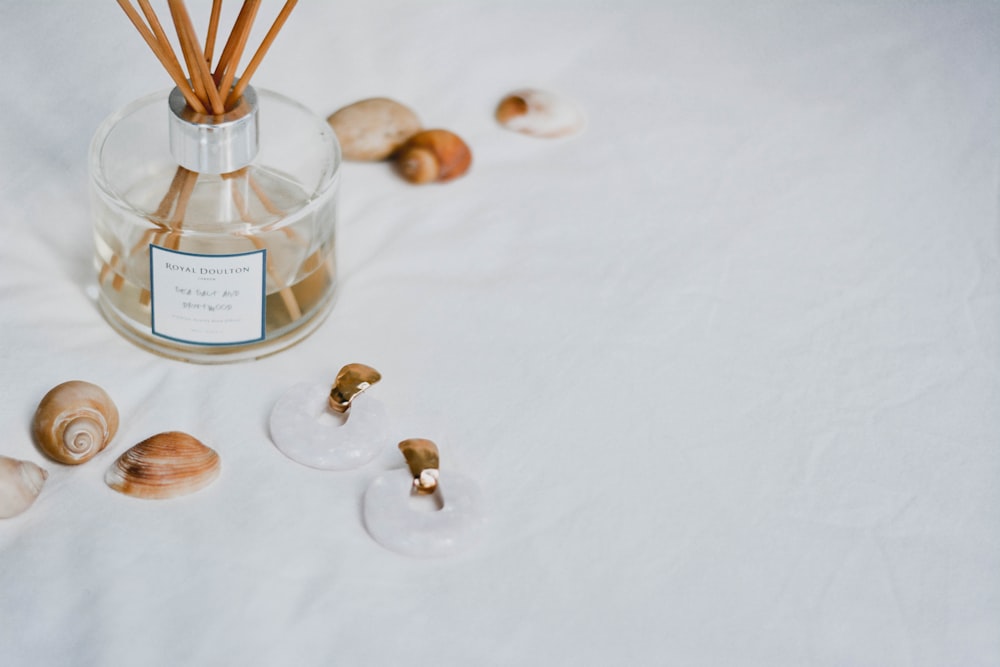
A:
540	113
372	129
165	465
20	484
433	155
74	421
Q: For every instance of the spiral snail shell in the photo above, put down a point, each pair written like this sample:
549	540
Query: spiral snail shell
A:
433	156
74	421
20	484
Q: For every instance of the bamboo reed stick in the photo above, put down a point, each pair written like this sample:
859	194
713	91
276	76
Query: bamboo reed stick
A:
197	65
227	50
176	74
234	59
285	292
264	199
213	28
167	203
183	197
161	35
272	33
191	57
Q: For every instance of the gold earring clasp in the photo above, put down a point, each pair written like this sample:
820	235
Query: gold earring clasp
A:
422	458
351	381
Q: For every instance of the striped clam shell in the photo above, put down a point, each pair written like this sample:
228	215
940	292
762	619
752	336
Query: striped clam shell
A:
165	465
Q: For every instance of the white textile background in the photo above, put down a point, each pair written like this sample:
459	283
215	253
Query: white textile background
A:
726	365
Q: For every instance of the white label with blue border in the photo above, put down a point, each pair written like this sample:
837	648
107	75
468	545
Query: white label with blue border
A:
207	299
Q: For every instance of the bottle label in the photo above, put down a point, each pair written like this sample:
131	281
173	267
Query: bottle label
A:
207	299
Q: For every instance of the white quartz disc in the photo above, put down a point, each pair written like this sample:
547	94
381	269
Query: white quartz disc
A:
410	526
306	430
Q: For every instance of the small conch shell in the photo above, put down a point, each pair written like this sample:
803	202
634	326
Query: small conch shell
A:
433	155
74	421
540	113
20	484
372	129
165	465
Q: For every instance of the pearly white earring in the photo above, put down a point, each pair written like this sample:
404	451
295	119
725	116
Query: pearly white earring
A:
452	521
331	429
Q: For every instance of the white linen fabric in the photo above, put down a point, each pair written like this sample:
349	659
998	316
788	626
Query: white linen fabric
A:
726	366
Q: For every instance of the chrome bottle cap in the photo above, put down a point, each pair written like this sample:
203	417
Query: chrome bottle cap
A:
210	144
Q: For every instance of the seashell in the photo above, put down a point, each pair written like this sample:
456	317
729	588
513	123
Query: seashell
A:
540	113
433	155
372	129
20	484
74	421
165	465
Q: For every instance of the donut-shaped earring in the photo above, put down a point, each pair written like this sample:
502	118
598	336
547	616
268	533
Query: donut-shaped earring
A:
331	429
420	512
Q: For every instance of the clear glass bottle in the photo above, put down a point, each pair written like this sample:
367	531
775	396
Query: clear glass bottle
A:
215	242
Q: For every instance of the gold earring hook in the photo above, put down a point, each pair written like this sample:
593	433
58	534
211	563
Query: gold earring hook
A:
422	458
351	381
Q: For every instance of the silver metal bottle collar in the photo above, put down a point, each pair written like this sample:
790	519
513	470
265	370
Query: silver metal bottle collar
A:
211	144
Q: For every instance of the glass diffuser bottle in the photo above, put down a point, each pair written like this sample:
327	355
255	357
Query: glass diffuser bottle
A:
215	242
214	204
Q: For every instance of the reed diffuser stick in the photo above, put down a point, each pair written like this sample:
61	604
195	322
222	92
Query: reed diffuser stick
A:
213	29
173	69
160	34
261	51
241	42
196	64
227	50
191	56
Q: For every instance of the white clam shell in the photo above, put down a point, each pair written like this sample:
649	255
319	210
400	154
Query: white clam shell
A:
413	526
20	484
371	129
540	113
305	430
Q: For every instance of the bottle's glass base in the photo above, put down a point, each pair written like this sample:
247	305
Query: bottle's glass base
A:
215	354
